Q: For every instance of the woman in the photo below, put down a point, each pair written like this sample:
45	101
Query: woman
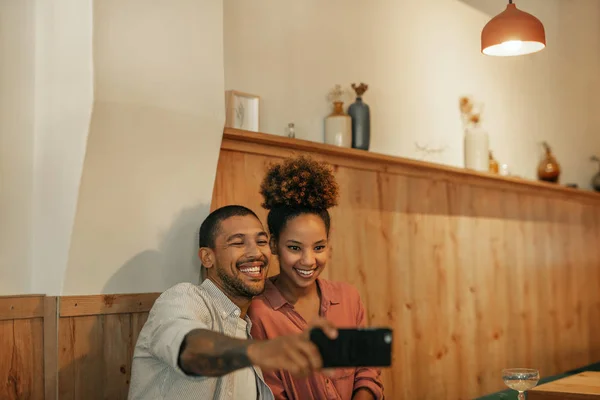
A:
298	194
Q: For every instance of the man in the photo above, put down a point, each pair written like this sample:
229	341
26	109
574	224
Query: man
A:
195	344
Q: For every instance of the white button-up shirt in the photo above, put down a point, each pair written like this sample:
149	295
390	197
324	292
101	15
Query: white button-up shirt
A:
184	307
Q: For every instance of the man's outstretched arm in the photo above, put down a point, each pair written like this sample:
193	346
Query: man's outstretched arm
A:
207	353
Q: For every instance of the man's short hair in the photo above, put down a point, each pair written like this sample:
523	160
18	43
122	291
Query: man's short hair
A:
210	226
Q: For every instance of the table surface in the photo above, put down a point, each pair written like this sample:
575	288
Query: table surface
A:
509	394
585	385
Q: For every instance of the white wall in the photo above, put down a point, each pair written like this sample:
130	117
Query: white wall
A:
17	96
63	105
158	112
153	146
45	106
418	58
155	132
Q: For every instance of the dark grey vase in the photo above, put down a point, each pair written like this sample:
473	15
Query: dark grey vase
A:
596	182
361	124
596	178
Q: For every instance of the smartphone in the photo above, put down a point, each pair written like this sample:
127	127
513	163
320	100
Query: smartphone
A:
360	347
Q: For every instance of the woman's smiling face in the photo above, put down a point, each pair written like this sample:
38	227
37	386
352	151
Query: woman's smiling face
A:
303	249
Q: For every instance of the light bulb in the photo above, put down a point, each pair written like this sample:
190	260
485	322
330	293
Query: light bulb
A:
512	46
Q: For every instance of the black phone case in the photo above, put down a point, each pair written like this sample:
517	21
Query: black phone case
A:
362	347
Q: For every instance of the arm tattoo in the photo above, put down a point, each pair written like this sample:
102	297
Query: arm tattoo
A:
208	353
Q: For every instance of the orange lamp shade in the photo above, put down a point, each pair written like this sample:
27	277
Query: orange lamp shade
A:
513	33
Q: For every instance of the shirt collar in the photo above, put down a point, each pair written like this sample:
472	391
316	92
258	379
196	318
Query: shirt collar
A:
276	299
223	303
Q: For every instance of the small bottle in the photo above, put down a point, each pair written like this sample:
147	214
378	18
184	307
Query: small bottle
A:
493	164
291	130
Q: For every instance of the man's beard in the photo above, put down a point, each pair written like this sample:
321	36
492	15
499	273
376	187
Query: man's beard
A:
237	287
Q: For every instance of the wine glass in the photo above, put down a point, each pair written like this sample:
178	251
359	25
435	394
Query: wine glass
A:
520	379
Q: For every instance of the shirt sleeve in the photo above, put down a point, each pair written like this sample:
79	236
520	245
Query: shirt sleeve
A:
368	378
175	313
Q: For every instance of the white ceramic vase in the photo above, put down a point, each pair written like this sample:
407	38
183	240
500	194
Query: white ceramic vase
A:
338	127
476	149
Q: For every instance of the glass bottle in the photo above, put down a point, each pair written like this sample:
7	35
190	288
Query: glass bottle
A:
291	130
494	167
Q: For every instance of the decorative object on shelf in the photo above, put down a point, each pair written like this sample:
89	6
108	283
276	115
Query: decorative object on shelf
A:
476	140
338	125
548	168
426	151
596	178
513	33
361	119
291	130
504	170
494	167
242	111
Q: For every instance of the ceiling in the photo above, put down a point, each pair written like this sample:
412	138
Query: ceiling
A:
494	7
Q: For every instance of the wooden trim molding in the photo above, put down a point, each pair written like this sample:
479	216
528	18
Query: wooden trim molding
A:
21	307
280	146
51	348
76	306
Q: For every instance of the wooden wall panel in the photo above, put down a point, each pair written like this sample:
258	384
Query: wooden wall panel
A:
474	273
21	347
74	347
97	336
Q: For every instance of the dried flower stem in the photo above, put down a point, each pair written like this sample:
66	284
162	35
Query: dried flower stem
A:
470	115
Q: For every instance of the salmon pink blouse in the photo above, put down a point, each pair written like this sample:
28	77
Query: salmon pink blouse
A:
273	316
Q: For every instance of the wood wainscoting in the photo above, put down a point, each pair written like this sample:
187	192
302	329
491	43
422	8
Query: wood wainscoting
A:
473	271
96	339
22	347
71	347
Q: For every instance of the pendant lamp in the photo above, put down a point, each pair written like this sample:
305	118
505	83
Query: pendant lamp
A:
513	33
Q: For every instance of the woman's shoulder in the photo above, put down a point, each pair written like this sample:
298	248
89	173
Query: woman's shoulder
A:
344	289
347	308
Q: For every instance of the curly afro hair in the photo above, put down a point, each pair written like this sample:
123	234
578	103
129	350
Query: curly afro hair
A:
298	186
299	183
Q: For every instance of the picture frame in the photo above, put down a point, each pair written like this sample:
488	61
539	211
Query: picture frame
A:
242	111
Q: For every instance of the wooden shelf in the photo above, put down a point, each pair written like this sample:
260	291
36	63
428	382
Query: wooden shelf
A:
280	146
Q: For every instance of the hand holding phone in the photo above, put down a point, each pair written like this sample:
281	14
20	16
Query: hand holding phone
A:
358	347
294	353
